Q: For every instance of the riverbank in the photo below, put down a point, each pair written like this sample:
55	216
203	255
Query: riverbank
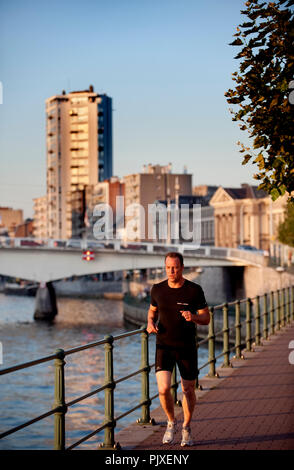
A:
89	289
79	289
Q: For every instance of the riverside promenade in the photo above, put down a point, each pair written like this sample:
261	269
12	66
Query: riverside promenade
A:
250	406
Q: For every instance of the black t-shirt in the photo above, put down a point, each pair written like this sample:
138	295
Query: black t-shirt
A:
173	329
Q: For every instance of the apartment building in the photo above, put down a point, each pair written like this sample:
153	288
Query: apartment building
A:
9	220
25	230
99	194
40	217
79	153
155	183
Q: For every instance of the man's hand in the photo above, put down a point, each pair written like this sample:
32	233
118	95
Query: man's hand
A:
188	315
203	317
152	319
151	327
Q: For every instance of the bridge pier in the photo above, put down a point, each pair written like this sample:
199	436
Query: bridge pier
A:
222	284
45	302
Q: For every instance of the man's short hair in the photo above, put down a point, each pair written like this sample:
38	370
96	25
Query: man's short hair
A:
175	254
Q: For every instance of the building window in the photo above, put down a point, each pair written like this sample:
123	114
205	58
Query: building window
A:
79	100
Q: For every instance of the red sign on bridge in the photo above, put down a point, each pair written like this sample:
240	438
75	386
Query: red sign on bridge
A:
88	255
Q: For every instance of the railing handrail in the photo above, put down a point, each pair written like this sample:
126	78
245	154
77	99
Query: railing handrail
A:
282	310
26	365
210	251
35	362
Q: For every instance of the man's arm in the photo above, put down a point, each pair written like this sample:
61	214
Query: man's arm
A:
152	318
202	318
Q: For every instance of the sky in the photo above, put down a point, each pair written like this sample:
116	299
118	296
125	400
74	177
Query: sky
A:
165	63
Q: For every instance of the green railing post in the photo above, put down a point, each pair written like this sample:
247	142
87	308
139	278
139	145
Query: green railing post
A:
292	302
285	306
174	387
145	417
265	317
109	398
283	312
197	384
257	322
211	345
272	313
238	343
226	349
248	324
59	401
288	304
278	315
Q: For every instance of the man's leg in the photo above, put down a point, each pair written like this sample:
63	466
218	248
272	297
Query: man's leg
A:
189	400
163	378
164	382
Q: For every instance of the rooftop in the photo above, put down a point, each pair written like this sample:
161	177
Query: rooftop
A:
246	192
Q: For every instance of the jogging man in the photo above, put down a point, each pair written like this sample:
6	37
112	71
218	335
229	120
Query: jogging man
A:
178	304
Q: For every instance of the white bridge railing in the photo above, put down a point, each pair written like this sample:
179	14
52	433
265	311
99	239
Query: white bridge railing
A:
259	257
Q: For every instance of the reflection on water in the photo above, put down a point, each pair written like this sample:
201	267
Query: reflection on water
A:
28	393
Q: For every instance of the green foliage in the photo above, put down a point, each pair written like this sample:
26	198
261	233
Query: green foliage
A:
266	67
286	228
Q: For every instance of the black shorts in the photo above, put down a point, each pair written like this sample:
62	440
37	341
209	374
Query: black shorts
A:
185	358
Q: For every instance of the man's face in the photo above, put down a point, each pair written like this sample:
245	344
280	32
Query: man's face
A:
173	269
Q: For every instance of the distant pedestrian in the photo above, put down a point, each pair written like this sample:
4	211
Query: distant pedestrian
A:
177	304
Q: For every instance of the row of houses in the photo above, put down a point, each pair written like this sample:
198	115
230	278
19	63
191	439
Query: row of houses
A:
229	217
12	223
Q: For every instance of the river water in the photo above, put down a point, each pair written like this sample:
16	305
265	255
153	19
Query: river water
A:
28	393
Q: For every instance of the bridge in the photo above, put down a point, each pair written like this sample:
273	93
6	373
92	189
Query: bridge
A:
50	260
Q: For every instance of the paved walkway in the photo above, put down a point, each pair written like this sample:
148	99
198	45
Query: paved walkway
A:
250	406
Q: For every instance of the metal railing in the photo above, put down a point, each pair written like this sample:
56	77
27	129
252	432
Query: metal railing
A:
276	311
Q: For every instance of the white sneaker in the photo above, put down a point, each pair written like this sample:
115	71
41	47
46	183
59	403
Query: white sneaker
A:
186	437
168	437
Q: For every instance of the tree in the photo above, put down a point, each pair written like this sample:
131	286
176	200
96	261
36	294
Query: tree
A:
286	228
266	69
